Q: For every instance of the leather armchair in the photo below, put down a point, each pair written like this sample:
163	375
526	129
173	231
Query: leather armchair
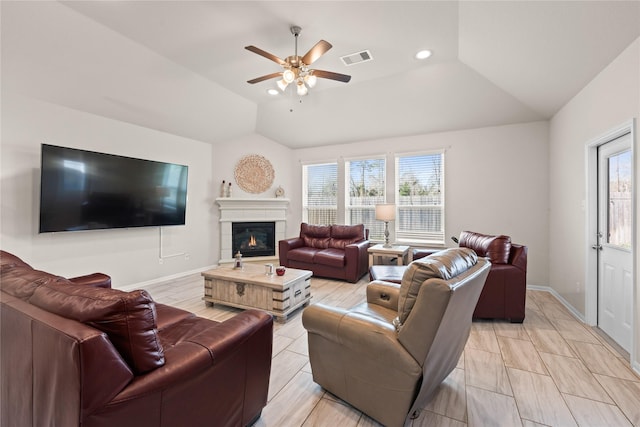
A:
334	251
387	356
505	293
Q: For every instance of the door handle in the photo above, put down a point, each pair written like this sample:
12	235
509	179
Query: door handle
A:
598	247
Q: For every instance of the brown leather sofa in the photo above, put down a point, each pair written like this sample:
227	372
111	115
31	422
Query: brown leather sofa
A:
335	251
505	293
75	352
387	356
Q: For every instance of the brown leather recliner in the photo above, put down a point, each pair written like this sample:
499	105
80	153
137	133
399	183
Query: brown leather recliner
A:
335	251
75	352
505	293
386	357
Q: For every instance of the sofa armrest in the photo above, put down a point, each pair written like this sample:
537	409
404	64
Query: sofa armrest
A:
357	260
358	251
384	294
97	280
359	333
284	246
214	346
518	256
362	245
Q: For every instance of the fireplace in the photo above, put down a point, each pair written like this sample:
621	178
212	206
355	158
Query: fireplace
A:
254	239
250	210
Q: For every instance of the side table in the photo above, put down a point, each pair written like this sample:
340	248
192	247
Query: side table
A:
379	250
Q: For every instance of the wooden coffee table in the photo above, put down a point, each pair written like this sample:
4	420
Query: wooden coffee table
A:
252	288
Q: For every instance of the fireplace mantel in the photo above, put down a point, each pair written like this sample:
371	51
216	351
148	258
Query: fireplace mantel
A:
233	203
235	209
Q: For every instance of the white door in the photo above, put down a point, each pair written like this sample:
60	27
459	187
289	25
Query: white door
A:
615	226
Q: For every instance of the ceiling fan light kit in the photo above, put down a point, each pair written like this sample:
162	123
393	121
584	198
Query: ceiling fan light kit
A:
296	68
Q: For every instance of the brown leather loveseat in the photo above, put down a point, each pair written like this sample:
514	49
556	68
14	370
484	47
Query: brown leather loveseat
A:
75	352
505	292
335	251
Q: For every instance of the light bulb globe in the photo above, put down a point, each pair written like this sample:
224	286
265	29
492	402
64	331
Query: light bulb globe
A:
288	76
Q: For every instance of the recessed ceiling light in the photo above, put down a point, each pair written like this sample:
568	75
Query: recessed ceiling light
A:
273	91
423	54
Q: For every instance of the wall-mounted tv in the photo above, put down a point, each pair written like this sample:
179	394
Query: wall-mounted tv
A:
86	190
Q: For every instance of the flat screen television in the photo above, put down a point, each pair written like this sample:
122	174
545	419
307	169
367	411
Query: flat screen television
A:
86	190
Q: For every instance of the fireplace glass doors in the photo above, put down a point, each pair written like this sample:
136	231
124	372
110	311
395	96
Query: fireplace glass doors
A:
254	239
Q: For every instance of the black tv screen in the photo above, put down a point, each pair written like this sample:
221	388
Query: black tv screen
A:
86	190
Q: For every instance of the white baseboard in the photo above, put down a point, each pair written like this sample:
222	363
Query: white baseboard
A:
166	278
563	301
635	366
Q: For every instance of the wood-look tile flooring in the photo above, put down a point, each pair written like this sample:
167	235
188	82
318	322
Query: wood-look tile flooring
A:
552	370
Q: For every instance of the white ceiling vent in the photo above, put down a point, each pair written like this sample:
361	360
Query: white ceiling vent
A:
356	58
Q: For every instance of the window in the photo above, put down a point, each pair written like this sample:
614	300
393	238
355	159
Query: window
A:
420	198
320	189
620	218
365	181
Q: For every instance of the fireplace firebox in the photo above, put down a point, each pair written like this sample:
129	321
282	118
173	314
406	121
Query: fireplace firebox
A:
254	239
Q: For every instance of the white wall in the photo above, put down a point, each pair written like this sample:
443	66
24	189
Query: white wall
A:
128	255
496	182
68	81
225	158
611	99
226	155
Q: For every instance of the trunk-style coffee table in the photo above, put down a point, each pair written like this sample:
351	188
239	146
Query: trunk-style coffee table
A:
250	287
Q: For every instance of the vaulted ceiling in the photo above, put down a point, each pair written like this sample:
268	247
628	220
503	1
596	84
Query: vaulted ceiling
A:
181	66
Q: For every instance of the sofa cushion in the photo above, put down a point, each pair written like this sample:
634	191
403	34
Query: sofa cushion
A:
167	315
315	236
343	235
303	254
331	257
496	248
443	265
128	318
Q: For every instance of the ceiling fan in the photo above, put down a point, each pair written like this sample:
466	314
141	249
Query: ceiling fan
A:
296	68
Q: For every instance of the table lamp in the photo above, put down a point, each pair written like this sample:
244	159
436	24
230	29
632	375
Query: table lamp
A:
386	212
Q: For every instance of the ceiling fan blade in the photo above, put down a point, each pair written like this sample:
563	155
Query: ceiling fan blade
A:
263	78
331	75
265	54
316	52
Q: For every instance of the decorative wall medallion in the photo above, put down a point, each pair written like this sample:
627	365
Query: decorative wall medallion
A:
254	174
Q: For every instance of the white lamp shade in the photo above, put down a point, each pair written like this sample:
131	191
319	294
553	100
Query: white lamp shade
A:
282	84
302	89
310	80
386	212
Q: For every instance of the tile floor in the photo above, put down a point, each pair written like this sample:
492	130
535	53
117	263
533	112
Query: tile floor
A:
552	370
